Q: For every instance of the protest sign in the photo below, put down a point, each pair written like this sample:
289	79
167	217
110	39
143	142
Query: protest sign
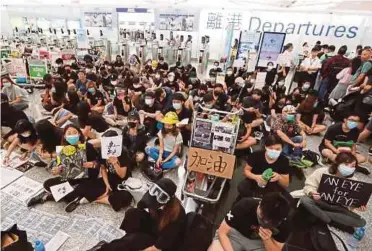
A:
211	162
346	192
61	190
68	54
70	161
16	67
37	68
111	146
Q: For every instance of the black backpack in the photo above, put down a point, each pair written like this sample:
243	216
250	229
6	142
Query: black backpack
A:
311	156
198	233
310	234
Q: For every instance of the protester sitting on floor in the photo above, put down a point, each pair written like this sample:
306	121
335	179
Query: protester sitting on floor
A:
104	190
49	138
9	115
288	129
61	116
122	105
276	109
135	138
149	108
170	139
258	162
157	224
90	122
73	173
220	96
344	167
311	115
255	224
23	136
18	97
342	137
95	98
184	115
366	131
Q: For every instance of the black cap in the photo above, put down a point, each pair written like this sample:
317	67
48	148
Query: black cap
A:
149	201
133	115
247	102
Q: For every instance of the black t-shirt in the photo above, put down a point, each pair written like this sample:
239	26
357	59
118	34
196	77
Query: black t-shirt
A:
94	98
150	109
270	77
172	85
140	89
278	108
221	101
164	66
259	163
307	116
184	114
335	133
120	107
10	116
92	76
115	179
119	64
243	218
97	122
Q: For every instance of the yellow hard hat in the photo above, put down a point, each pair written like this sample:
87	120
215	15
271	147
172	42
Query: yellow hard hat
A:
170	118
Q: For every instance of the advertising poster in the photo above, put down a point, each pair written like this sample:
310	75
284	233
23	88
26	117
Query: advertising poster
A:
37	68
271	47
177	20
249	41
98	19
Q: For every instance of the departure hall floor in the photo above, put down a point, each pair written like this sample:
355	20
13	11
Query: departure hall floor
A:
90	223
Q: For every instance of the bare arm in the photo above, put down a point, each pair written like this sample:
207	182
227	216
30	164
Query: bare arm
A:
223	230
284	137
329	145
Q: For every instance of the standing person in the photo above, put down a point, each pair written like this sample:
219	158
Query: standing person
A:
330	53
344	79
310	67
342	137
157	224
84	168
258	162
254	224
170	143
285	62
18	97
104	190
344	167
366	66
229	78
330	69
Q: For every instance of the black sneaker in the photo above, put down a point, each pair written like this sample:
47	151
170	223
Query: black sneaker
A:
98	246
363	170
38	199
72	205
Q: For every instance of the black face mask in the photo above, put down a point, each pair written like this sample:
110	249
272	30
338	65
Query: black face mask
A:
263	224
132	124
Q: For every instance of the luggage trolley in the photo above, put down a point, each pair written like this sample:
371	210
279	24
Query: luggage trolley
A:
214	135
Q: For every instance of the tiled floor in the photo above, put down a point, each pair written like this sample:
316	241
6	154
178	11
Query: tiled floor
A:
82	241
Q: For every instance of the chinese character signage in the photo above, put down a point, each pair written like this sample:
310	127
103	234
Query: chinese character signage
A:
211	162
217	20
177	20
111	146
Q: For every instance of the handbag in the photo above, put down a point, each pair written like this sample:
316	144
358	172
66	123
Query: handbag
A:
135	187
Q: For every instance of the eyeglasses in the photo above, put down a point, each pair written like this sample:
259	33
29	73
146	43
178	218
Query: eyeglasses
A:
161	196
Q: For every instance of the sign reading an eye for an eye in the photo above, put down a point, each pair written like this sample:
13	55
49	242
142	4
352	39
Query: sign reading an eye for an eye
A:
346	192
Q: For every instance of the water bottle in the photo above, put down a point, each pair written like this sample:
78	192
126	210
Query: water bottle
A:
355	239
39	245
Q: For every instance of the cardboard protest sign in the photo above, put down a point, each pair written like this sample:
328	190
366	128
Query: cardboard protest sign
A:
111	146
16	67
346	192
220	79
211	162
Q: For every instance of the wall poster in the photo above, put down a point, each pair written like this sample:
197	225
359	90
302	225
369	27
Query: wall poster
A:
271	47
98	19
177	20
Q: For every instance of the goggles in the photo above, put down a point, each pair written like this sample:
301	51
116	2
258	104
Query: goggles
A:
161	196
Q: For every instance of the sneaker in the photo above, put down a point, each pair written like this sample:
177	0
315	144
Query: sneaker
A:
72	205
38	199
98	246
363	170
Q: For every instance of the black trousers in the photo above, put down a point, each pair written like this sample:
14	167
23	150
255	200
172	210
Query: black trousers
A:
58	180
138	226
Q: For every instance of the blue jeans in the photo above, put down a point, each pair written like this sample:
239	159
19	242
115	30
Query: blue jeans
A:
323	89
289	151
153	152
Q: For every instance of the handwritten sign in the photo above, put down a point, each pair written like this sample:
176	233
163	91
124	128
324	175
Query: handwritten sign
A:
61	190
346	192
211	162
111	146
16	67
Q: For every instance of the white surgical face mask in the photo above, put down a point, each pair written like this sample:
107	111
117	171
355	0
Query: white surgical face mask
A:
229	73
26	134
149	101
171	79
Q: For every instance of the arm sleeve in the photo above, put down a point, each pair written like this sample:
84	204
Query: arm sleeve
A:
366	67
312	181
179	139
